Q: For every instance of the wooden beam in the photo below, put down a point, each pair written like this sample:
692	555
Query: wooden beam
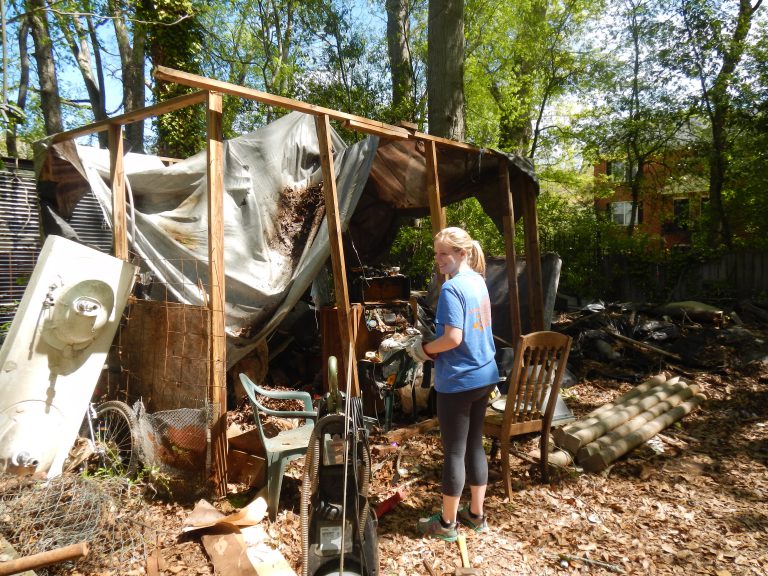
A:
396	134
323	126
134	116
218	344
117	180
446	142
533	259
508	218
436	210
196	81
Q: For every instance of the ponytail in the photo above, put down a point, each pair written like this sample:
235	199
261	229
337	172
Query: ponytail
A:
477	258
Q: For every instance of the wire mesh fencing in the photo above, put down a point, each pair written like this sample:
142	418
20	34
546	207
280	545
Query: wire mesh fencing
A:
41	515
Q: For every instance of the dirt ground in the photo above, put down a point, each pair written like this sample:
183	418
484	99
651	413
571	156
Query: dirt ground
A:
692	501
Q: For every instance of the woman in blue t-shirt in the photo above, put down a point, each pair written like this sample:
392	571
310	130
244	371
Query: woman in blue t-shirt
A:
465	375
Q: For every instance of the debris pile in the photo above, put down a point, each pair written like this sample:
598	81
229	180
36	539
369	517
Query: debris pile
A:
107	513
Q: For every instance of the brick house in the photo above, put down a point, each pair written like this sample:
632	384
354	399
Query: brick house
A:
670	203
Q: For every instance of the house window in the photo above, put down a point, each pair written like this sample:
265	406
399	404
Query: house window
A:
681	212
621	213
617	170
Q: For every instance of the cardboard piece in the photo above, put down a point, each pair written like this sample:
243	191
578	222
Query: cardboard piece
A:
205	515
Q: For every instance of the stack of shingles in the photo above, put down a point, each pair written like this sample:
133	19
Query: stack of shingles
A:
614	429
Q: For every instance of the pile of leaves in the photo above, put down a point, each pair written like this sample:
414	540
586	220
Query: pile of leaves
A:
694	500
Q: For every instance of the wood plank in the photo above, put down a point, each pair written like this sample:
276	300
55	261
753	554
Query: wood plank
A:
333	219
436	210
508	219
134	116
196	81
246	468
396	134
452	143
117	179
218	345
533	259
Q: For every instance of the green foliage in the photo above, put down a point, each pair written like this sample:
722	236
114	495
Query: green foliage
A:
175	39
412	250
468	214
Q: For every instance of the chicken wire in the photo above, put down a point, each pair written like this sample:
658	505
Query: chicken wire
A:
38	516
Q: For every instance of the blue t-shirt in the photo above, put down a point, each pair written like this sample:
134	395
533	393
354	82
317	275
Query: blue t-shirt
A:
464	303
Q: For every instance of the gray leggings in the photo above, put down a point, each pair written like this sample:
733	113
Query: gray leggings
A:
461	431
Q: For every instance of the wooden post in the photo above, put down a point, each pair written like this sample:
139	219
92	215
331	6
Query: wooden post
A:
117	180
218	346
436	210
533	259
509	245
322	124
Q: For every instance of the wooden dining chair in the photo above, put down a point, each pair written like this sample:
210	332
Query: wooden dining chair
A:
534	382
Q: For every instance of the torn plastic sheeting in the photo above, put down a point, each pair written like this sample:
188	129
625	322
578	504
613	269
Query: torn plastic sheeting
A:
268	264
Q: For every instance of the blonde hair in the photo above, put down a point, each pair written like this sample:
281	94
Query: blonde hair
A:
458	239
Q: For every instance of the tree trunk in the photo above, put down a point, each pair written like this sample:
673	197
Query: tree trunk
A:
50	101
78	44
445	68
717	101
132	67
11	135
399	57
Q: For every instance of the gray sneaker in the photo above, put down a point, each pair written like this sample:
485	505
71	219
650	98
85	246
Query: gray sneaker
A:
433	527
476	523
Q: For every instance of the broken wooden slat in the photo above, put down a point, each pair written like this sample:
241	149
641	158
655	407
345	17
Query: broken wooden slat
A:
645	346
402	434
117	182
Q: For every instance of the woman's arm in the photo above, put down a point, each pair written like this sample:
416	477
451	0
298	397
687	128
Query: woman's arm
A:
450	339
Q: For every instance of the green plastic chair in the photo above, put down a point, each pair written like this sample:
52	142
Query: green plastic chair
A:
288	444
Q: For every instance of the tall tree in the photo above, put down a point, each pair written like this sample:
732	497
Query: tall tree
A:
15	114
521	58
716	35
79	31
648	113
50	100
445	69
400	57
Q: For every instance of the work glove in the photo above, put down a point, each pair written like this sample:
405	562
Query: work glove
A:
415	350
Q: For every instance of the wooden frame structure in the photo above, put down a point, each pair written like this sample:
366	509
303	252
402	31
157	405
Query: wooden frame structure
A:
210	92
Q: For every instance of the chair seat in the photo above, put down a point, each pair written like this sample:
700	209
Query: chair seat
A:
295	439
494	420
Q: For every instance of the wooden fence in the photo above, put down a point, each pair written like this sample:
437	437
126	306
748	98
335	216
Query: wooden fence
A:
592	271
